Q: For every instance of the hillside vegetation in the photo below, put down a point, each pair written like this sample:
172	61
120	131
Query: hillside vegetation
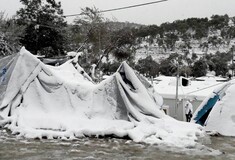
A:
201	45
197	45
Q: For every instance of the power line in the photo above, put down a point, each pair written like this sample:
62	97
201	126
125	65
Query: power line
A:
133	6
121	8
108	10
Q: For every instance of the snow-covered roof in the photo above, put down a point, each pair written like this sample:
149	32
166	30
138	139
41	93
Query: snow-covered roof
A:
211	78
197	90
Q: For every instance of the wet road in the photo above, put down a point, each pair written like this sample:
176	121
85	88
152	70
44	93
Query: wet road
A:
12	147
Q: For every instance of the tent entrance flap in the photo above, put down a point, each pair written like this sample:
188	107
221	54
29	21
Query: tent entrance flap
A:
204	112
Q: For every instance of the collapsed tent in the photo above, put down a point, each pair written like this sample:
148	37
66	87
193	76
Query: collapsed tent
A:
41	101
217	111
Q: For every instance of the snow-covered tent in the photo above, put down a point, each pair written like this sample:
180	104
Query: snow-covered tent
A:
217	112
40	101
188	90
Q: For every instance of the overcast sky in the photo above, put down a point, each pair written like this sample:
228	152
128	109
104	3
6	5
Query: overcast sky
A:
152	14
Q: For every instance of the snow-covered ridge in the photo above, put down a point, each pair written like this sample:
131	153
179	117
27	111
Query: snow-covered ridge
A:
211	44
40	101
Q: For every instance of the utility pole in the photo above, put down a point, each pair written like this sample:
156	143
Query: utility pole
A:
36	27
177	88
232	60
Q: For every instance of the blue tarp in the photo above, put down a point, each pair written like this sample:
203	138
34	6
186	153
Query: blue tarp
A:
204	112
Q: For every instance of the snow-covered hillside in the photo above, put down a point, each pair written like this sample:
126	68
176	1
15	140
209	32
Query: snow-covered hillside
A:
199	47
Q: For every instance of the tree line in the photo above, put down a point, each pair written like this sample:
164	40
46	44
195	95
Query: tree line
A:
40	26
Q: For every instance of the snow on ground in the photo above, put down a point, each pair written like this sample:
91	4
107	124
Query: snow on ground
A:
62	102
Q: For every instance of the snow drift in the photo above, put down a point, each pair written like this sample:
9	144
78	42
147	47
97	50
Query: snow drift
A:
217	112
41	101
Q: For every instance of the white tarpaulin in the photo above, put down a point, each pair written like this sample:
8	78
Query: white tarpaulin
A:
217	112
39	101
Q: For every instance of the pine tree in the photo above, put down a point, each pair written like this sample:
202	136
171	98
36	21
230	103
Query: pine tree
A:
10	34
45	24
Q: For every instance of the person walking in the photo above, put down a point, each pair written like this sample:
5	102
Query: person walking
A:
188	111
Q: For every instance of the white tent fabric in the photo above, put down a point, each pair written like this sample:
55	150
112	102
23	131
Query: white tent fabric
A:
221	118
41	101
